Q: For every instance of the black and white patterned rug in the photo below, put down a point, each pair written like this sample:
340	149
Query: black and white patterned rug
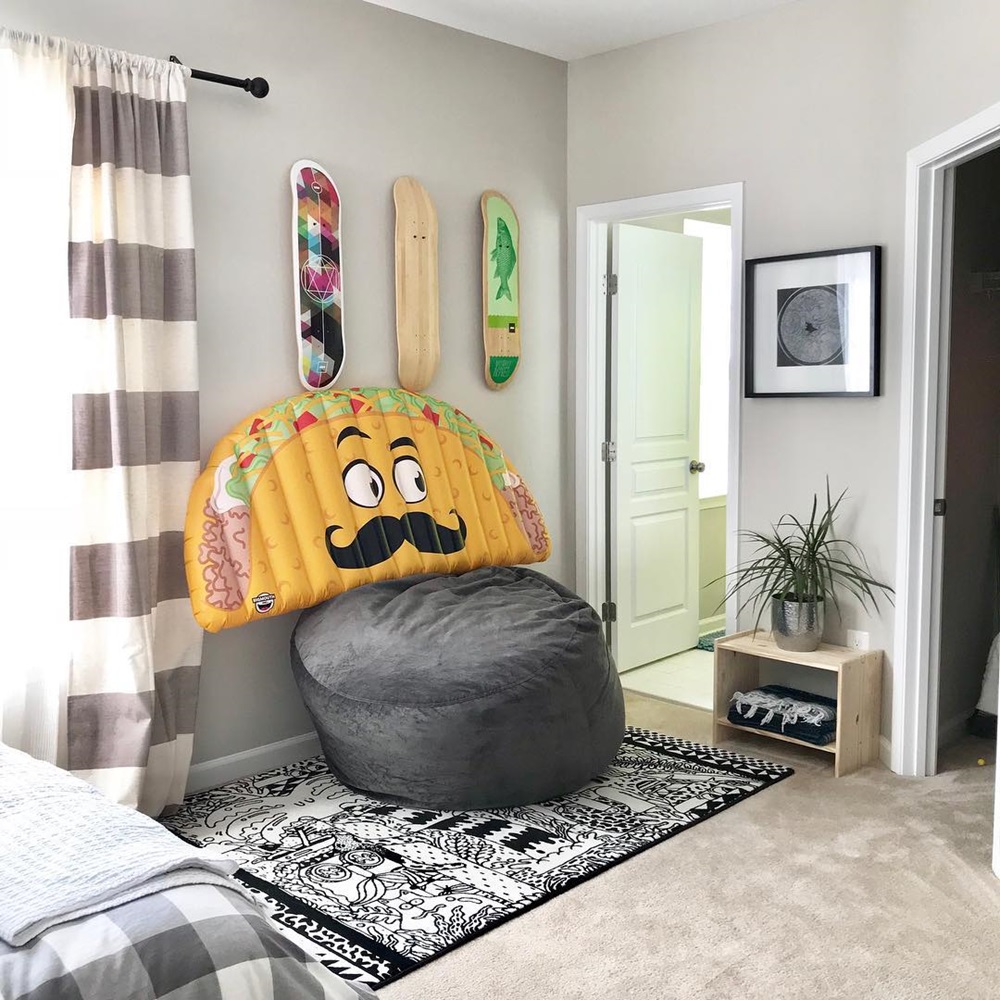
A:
375	889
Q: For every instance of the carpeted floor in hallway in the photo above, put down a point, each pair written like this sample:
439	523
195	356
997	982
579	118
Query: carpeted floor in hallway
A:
871	886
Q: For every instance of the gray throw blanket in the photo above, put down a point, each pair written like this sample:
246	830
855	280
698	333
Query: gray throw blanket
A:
67	851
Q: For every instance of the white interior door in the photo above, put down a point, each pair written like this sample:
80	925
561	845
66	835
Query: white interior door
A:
656	323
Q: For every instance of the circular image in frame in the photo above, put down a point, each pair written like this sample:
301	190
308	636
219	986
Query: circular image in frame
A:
811	325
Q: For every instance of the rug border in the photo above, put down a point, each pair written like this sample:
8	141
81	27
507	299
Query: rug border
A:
580	879
766	781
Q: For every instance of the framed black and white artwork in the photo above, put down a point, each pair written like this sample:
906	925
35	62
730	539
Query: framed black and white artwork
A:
813	323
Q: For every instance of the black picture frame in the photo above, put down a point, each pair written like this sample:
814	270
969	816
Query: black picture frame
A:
813	324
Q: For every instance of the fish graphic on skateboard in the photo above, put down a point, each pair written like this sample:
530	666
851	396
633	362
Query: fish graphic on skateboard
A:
501	289
416	284
319	293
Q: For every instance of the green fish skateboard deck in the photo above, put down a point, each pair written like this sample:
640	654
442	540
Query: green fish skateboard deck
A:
319	293
416	284
501	289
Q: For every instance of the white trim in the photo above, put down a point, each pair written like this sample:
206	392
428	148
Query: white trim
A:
212	773
885	752
712	503
914	715
591	248
938	734
588	326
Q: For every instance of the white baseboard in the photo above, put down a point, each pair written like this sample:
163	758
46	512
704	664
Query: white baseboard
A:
885	751
211	773
712	624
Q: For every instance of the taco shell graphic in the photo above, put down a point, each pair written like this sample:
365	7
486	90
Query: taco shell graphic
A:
330	490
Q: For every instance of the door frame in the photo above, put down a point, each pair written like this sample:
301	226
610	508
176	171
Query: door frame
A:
590	328
926	288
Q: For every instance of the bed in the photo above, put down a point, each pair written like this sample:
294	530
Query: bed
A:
192	942
98	902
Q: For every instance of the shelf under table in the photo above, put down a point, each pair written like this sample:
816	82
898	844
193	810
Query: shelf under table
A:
828	747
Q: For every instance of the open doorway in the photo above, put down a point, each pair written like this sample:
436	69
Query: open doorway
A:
930	283
668	417
658	365
967	580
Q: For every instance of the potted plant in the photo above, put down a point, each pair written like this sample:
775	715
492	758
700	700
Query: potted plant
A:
795	568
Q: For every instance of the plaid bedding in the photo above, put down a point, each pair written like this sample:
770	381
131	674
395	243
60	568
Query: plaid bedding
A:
194	942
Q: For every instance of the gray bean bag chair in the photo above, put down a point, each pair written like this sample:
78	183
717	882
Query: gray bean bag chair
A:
492	688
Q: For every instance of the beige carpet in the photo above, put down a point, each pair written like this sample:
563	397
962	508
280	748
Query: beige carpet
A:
871	886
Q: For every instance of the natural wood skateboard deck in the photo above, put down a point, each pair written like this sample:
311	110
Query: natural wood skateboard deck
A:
416	284
318	291
501	289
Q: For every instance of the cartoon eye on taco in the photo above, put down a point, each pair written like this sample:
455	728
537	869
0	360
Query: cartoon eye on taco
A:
384	534
328	491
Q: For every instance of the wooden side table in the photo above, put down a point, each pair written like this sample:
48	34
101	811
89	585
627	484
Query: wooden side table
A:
859	692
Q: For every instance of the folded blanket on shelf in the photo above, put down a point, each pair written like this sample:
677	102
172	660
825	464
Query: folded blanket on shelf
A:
67	851
779	709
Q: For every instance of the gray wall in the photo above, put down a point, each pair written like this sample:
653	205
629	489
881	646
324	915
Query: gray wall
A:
711	562
814	106
972	483
372	95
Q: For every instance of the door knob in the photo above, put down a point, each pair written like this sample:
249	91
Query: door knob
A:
696	466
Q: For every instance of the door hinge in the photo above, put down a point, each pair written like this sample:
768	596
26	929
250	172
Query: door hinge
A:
611	284
609	451
940	506
609	612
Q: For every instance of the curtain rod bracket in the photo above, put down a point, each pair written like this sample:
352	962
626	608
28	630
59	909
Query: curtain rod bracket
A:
258	86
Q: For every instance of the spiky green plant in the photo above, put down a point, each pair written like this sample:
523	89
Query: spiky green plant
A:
803	561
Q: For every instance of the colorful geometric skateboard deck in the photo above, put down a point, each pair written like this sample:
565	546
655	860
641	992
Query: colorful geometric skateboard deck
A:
501	289
319	295
416	284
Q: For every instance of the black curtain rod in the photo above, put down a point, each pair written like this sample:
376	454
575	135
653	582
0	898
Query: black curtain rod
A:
258	86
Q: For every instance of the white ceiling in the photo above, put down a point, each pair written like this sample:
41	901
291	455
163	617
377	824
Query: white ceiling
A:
572	29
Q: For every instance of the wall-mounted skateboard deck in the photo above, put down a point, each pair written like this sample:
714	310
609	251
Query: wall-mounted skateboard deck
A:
416	284
501	289
318	287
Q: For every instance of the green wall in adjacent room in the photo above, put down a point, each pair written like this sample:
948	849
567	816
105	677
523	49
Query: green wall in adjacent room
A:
712	560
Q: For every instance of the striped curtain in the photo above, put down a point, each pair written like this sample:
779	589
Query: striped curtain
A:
135	648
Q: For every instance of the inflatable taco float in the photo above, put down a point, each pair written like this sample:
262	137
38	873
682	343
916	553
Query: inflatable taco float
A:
327	491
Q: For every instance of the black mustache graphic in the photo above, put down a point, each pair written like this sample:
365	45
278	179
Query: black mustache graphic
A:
377	540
